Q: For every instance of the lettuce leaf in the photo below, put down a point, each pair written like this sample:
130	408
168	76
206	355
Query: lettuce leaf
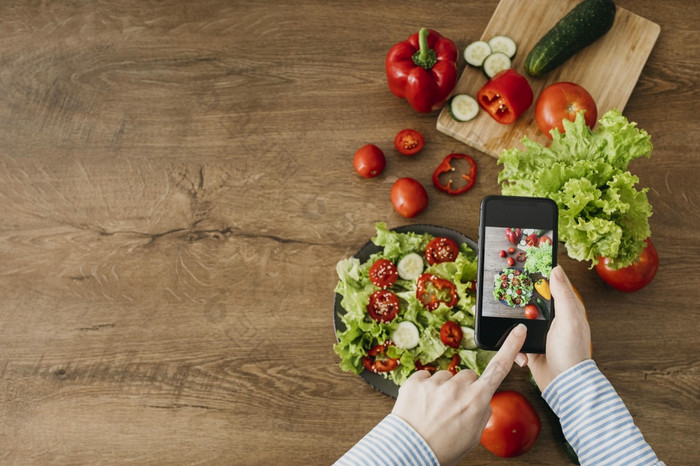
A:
601	211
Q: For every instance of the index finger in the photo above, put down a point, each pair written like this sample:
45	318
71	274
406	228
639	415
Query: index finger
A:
499	367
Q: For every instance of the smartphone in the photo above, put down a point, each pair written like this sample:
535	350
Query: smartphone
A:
517	251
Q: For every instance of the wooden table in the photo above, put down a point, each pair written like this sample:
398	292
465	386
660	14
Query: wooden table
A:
176	187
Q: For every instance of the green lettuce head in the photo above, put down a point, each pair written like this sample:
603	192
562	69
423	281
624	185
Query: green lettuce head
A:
601	212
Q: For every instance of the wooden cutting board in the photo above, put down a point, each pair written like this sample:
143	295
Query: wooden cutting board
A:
608	69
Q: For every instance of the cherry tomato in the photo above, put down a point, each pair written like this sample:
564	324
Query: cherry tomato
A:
502	253
383	306
369	161
510	262
531	311
383	273
440	250
511	250
521	257
513	426
635	276
451	334
544	240
409	142
563	100
408	197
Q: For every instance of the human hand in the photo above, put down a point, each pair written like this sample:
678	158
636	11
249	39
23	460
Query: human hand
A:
569	337
450	411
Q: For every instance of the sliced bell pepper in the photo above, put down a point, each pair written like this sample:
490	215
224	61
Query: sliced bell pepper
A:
505	96
447	167
376	360
432	290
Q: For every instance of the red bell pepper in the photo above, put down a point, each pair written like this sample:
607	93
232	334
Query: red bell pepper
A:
432	290
423	70
505	96
513	235
446	167
376	360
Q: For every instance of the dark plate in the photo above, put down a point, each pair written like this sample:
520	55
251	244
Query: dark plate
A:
386	386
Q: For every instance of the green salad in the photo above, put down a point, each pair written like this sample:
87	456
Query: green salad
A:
432	325
512	286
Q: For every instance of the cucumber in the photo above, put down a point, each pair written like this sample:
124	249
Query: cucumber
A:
468	338
406	335
543	308
410	266
584	24
503	44
476	53
463	107
495	63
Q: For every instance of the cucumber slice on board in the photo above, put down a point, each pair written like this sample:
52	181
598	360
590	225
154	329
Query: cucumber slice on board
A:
495	63
476	53
463	107
503	44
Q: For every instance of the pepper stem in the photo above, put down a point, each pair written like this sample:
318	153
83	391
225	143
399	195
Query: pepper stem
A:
425	56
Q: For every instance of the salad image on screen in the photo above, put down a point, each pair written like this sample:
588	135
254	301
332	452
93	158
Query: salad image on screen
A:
518	262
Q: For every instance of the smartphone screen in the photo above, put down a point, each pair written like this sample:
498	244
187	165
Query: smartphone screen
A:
517	250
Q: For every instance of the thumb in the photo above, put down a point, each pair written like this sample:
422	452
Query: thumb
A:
568	303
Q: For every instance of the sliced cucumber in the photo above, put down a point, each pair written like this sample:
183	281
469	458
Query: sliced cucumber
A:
410	266
476	53
468	338
463	107
406	335
503	44
495	63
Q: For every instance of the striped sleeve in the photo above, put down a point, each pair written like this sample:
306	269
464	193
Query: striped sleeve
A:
595	420
393	441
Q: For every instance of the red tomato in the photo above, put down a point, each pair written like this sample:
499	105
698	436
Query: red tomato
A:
383	306
544	240
409	142
451	334
440	250
383	273
563	100
369	161
513	426
531	311
635	276
408	197
511	262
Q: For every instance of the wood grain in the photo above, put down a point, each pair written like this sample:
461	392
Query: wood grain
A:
608	69
176	188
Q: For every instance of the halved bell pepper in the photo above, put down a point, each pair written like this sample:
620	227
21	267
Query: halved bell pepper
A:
505	96
446	167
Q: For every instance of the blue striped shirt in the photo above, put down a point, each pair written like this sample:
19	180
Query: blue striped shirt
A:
392	441
594	419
